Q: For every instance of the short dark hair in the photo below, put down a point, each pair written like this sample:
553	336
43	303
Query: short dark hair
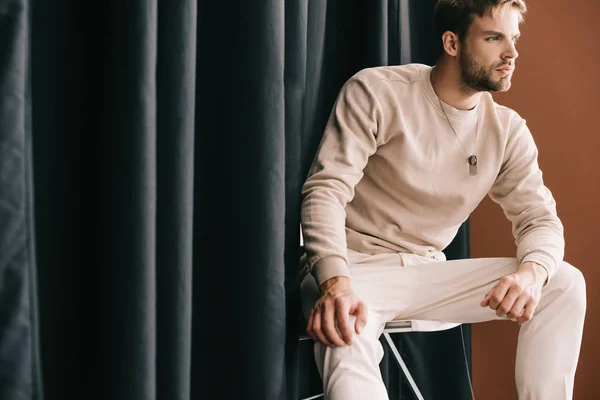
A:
457	15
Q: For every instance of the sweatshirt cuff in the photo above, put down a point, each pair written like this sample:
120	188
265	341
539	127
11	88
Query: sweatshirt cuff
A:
543	259
330	267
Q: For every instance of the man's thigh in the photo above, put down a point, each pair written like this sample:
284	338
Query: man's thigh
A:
447	291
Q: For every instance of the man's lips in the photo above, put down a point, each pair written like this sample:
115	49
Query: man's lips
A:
506	70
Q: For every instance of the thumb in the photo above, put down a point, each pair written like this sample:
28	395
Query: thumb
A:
361	317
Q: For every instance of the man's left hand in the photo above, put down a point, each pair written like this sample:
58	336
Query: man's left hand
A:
516	296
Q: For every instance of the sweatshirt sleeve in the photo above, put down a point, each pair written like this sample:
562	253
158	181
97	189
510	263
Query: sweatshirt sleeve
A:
349	139
529	204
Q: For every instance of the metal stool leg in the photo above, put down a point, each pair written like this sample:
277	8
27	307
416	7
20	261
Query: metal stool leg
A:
403	366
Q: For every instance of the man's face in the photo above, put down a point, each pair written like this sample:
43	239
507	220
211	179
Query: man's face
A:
487	55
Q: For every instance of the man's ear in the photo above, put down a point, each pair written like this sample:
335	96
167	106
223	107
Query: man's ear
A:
451	43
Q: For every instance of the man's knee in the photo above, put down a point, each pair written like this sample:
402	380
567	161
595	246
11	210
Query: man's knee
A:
572	283
365	351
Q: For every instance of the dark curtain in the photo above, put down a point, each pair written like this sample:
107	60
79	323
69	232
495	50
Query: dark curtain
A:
151	159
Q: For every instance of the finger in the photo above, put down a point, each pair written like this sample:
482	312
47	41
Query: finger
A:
498	293
329	328
317	321
309	325
342	315
528	311
508	301
518	307
360	311
486	298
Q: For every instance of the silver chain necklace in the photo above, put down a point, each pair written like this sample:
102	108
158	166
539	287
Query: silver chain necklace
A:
471	158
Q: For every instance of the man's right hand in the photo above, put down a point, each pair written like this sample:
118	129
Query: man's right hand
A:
333	309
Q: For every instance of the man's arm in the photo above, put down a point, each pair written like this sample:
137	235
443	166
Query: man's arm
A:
529	204
538	232
350	138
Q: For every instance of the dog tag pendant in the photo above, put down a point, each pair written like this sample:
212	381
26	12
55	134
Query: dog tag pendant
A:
472	160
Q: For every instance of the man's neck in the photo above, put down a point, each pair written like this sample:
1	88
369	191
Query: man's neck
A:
447	82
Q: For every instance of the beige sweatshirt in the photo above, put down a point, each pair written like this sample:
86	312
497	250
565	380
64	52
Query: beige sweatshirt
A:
390	175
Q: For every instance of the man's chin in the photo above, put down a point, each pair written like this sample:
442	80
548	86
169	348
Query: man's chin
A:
501	86
505	86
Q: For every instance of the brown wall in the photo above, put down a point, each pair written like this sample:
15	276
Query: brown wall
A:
556	88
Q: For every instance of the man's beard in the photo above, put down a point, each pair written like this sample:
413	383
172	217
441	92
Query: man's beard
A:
476	77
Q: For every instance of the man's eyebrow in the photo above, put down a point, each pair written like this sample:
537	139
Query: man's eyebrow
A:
496	33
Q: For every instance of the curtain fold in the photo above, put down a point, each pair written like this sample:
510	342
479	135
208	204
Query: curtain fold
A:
165	144
295	86
176	95
126	167
57	96
239	202
19	370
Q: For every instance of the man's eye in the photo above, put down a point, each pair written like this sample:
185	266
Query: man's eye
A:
493	38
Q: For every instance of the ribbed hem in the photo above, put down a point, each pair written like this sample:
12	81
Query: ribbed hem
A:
330	267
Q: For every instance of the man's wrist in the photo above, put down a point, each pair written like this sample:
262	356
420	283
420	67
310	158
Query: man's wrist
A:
336	284
540	274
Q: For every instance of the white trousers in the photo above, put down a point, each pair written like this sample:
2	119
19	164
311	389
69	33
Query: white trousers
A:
411	287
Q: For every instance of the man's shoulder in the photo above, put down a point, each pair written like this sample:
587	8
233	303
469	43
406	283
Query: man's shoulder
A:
502	109
393	74
506	116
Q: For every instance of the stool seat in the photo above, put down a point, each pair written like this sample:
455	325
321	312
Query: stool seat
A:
394	326
401	325
398	325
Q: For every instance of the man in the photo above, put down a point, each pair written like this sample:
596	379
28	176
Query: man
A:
406	156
